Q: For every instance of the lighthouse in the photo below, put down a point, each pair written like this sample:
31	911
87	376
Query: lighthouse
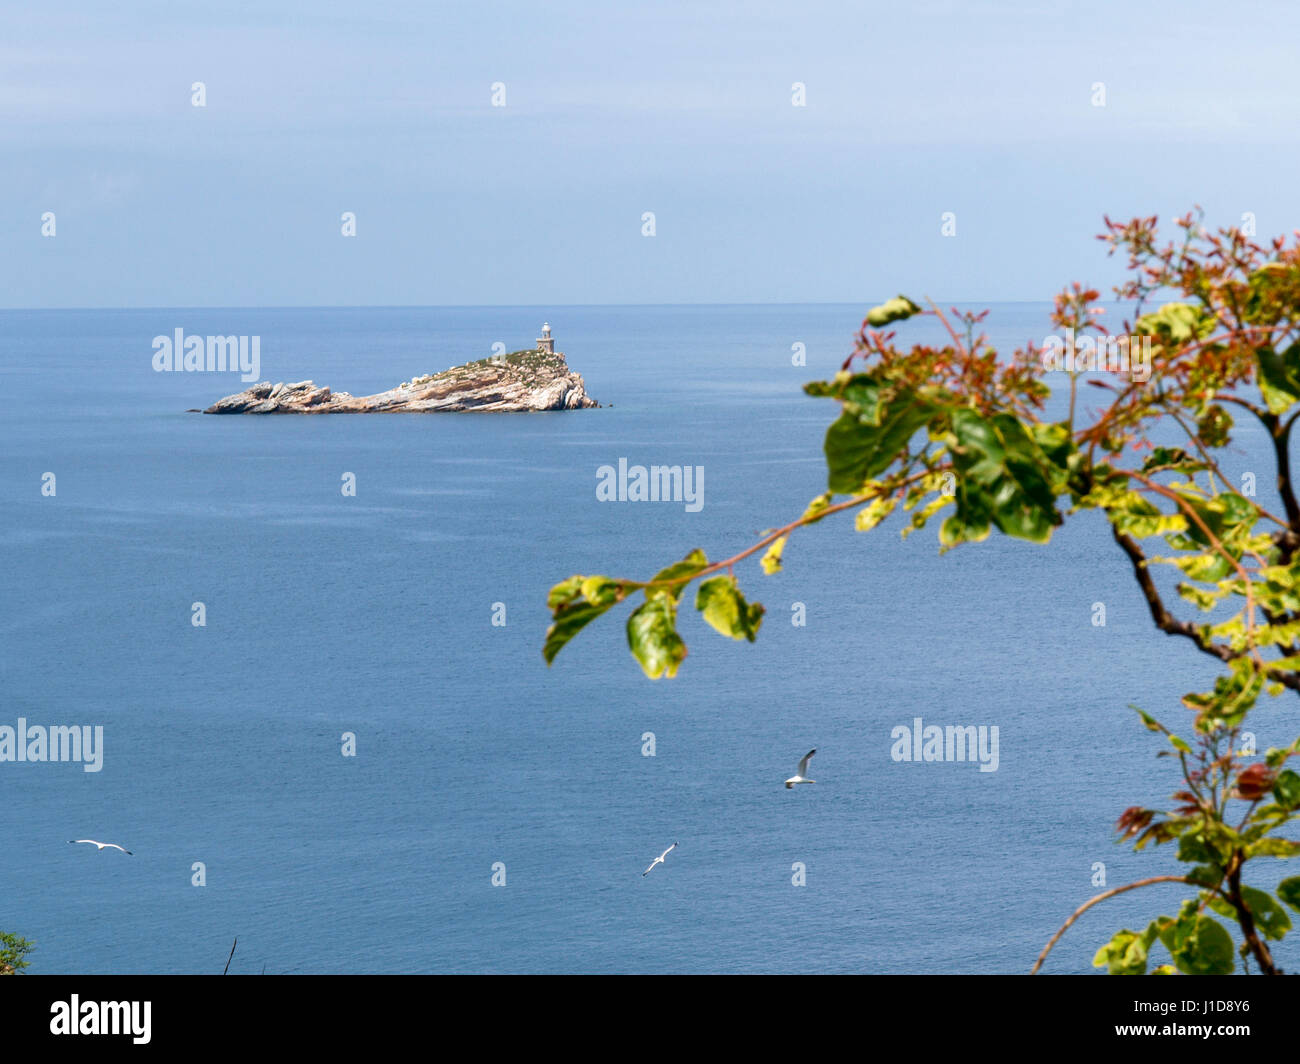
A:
544	342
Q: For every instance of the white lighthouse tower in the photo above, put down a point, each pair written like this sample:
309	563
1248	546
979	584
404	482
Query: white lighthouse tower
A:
545	342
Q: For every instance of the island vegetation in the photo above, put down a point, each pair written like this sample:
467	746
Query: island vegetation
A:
13	953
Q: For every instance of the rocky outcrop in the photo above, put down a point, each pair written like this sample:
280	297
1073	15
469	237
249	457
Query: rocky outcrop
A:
524	380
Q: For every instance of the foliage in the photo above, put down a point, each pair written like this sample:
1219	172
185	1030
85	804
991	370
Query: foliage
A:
961	429
1217	844
13	953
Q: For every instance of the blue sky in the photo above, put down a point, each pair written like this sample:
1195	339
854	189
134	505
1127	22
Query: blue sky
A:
683	109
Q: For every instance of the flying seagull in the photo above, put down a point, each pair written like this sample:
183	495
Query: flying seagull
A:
659	860
799	776
102	845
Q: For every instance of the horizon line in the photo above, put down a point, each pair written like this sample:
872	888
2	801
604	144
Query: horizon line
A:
866	304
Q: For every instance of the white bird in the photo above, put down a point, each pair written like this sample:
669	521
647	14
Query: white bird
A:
659	860
102	845
799	776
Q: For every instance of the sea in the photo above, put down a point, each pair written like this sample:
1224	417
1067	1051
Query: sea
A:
349	767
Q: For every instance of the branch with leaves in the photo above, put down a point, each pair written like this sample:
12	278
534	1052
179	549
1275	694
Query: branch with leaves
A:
13	953
961	428
1218	845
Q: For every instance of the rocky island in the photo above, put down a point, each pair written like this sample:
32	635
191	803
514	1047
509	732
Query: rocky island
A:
536	379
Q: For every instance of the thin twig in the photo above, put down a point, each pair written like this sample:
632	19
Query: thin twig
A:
1093	901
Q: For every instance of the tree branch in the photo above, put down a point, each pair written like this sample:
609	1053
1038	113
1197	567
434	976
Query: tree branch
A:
1164	620
1093	901
1247	921
1282	448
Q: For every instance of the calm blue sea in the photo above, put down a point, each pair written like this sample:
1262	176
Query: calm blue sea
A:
328	614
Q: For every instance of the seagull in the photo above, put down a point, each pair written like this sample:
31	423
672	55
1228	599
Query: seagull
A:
799	776
659	860
102	845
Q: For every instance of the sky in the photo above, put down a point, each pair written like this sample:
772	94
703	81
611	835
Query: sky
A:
686	110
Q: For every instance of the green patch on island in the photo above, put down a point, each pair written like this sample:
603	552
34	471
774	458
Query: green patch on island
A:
533	367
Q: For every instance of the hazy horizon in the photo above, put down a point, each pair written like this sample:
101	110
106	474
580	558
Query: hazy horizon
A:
986	112
866	304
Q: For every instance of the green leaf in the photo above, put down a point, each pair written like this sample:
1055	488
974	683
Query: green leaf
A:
1204	875
601	590
972	526
1231	699
1289	891
1003	478
575	603
1171	458
1055	440
1199	597
1272	846
1272	293
831	389
1151	723
652	636
680	571
771	560
1198	944
1126	953
923	515
873	429
1176	323
1139	517
1236	509
1270	917
1210	567
817	508
564	591
874	512
1279	377
1214	425
1286	789
892	310
725	608
1192	848
1221	906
